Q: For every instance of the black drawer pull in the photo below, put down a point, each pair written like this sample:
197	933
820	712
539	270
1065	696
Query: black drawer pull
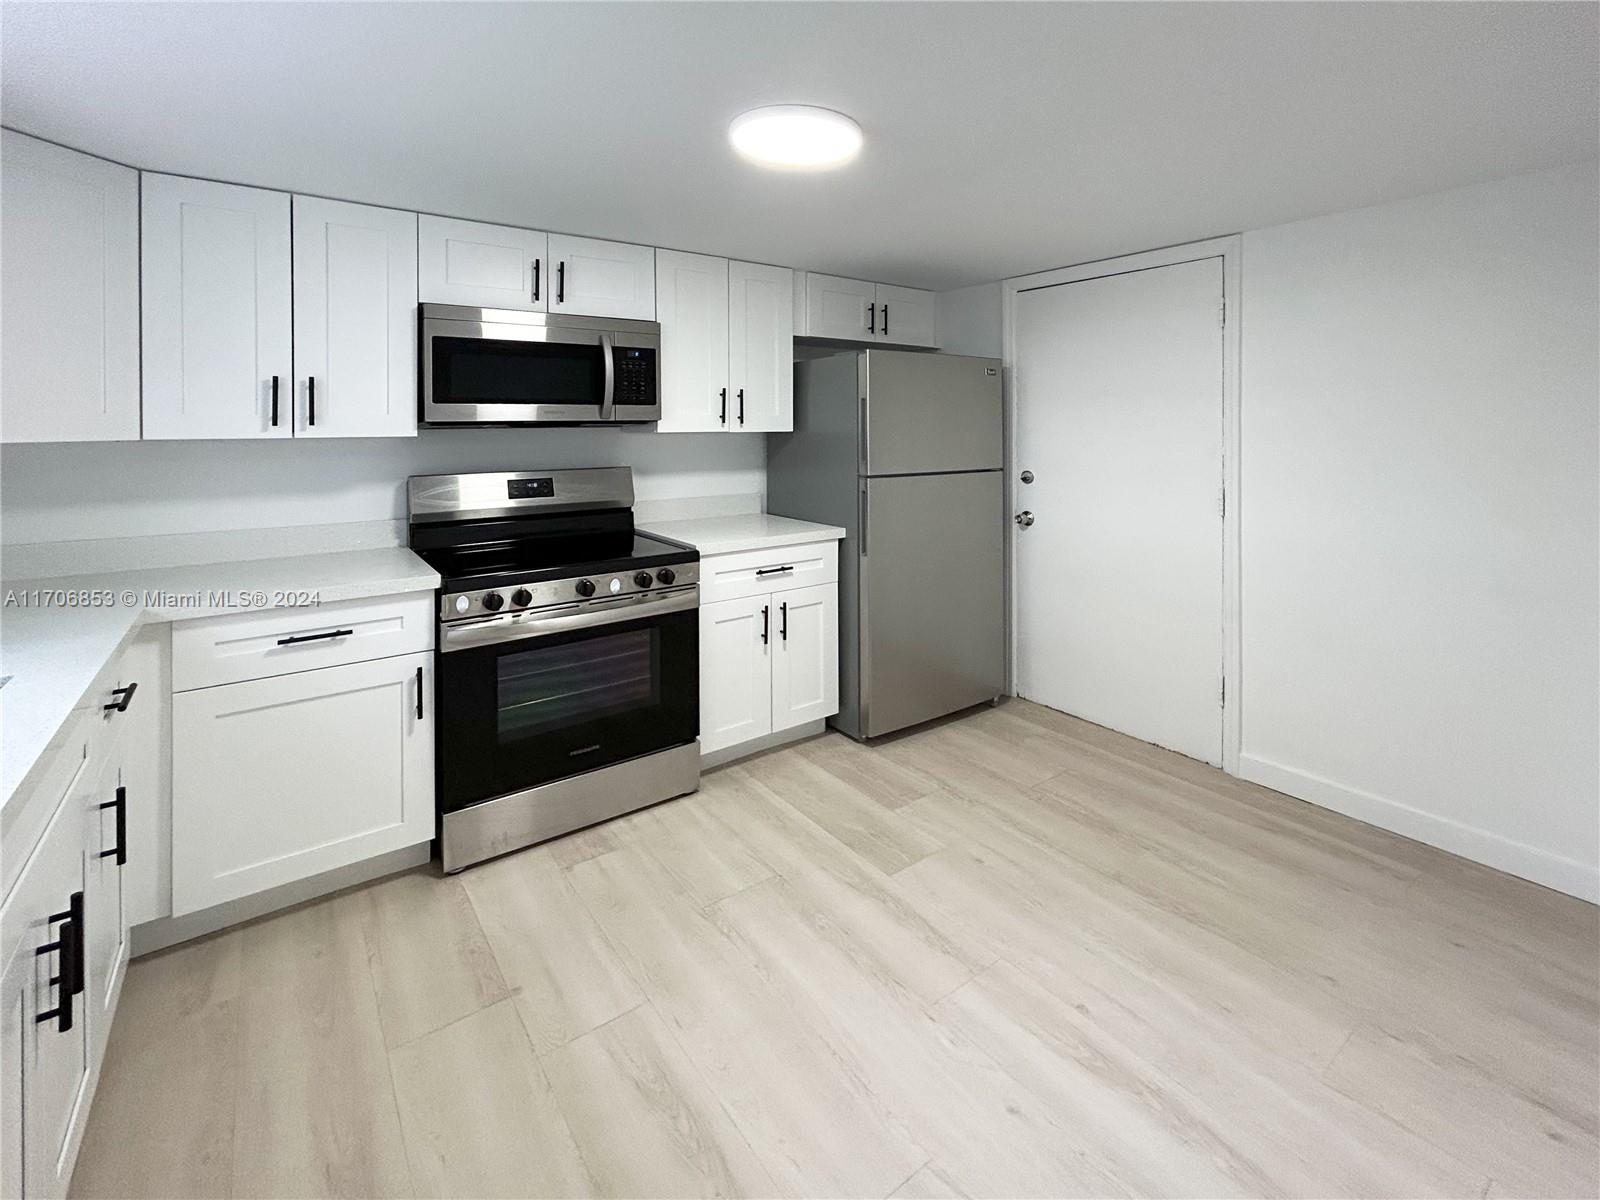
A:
311	400
274	401
561	282
120	853
68	947
314	637
760	571
766	623
536	279
126	698
783	621
722	417
741	406
419	693
872	318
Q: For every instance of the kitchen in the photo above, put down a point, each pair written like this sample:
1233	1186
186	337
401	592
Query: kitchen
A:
519	685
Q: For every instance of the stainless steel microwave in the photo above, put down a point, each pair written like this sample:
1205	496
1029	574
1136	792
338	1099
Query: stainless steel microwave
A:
500	366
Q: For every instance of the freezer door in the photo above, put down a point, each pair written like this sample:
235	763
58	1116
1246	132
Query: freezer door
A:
929	412
932	608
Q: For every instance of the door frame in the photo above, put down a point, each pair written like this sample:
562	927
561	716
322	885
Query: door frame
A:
1230	250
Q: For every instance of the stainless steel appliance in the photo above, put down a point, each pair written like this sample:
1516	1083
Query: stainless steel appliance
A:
496	366
904	451
567	681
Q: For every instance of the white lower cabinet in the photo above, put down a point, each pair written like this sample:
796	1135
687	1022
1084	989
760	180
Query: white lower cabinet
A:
769	658
278	779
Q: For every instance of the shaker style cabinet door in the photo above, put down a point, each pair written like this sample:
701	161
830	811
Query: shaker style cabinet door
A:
805	664
277	779
692	306
907	316
106	926
69	288
735	671
482	266
837	308
217	339
761	340
602	279
355	320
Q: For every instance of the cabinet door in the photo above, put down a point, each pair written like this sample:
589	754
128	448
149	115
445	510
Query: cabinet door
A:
216	307
735	672
481	266
907	316
837	308
69	286
761	337
144	753
105	914
692	306
805	665
603	279
355	320
282	778
54	1062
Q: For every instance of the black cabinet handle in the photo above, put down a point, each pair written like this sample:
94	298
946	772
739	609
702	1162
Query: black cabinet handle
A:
766	623
722	417
536	279
314	637
120	853
885	318
760	571
561	282
274	401
741	406
126	698
67	947
311	399
419	693
872	318
783	621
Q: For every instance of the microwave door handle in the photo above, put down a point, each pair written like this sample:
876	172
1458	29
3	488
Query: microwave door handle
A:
609	395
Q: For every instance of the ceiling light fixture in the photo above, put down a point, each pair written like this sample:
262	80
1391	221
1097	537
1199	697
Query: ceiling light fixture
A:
795	137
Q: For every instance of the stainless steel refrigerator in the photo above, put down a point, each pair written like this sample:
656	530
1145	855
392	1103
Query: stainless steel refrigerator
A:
904	450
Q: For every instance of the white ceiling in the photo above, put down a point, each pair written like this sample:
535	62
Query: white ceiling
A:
1000	138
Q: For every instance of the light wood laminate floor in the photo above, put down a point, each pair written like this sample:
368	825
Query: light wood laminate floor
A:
1010	955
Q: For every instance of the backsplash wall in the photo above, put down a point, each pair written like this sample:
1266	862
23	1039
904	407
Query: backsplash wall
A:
72	491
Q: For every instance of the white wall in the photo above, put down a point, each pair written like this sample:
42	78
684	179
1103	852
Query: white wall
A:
1421	595
118	489
969	321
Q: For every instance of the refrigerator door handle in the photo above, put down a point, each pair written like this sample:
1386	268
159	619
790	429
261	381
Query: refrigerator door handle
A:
866	436
861	521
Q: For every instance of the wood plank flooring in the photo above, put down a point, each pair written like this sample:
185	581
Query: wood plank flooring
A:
1010	955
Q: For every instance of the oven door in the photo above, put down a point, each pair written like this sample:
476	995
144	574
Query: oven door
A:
529	698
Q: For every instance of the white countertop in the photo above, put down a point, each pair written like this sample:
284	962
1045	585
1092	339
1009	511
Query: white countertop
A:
743	531
53	651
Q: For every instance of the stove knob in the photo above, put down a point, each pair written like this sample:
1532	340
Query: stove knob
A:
643	579
493	601
522	597
585	587
666	575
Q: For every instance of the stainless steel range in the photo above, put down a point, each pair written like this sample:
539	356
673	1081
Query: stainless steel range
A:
568	655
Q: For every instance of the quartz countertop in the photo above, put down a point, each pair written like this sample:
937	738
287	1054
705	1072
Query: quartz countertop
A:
53	649
743	531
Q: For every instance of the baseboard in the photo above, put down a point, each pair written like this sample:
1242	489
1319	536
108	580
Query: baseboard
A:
771	741
1491	849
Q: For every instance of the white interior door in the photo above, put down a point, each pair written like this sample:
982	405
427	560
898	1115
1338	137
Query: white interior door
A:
1119	394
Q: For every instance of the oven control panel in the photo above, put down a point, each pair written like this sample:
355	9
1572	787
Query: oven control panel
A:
455	606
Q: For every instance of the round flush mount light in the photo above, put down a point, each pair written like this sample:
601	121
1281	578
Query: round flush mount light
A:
795	137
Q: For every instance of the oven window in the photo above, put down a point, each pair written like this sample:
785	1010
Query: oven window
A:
483	371
545	689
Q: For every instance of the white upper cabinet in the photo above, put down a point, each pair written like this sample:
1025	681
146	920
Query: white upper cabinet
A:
603	279
69	289
907	316
692	306
836	308
761	347
217	325
853	310
355	320
482	266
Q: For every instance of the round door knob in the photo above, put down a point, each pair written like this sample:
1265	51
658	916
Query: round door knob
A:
585	587
493	601
643	579
1024	518
522	597
666	575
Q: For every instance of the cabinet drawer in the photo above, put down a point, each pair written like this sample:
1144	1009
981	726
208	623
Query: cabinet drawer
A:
281	641
757	572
